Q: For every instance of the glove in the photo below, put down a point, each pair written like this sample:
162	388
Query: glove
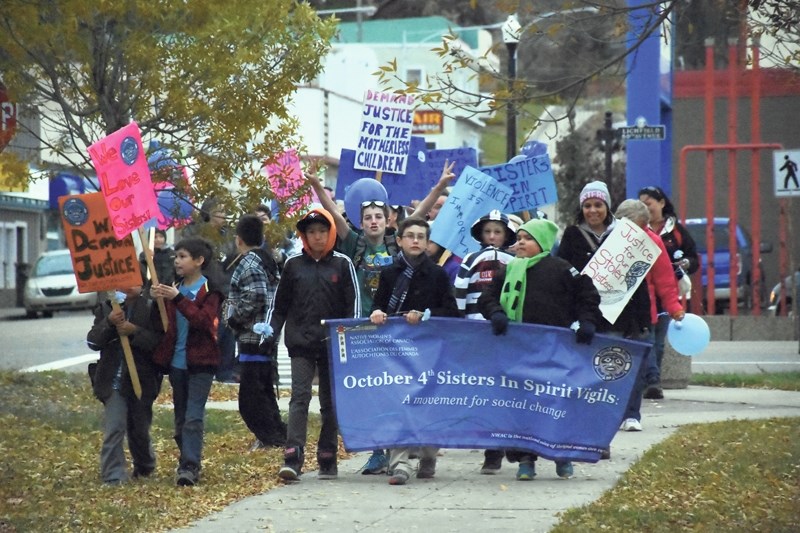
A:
499	323
585	332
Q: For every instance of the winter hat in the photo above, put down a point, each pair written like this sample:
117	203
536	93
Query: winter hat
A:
543	231
596	189
494	216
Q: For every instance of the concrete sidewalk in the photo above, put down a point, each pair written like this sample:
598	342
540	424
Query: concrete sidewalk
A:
460	499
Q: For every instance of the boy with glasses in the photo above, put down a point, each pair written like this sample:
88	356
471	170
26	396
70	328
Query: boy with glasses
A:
412	284
371	250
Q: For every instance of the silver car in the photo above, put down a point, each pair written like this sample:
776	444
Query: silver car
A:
52	286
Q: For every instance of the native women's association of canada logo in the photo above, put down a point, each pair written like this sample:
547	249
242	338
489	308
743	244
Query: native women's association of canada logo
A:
612	363
75	211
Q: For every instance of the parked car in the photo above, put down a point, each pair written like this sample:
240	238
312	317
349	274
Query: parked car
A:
791	286
52	286
742	264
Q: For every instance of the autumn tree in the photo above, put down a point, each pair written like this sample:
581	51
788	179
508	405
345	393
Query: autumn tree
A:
209	80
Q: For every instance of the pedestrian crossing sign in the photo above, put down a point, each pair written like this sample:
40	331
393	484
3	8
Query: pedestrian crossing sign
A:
785	168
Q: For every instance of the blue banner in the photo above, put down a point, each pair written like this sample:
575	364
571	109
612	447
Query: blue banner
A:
450	383
423	170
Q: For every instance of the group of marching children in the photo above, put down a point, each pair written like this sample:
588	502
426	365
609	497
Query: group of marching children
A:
516	276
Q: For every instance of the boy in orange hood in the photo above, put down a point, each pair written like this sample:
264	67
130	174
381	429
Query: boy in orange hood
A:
315	285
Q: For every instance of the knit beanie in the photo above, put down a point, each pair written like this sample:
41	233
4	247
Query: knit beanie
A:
596	189
543	232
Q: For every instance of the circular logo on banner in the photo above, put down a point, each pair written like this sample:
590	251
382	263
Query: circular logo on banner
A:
75	212
612	363
129	150
421	156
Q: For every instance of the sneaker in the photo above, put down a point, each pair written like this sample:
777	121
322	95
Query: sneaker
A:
292	464
654	393
328	471
605	455
491	466
526	471
427	468
631	424
327	465
399	477
564	469
376	464
187	478
257	445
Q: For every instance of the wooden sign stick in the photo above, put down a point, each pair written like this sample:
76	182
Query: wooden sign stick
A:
126	349
151	268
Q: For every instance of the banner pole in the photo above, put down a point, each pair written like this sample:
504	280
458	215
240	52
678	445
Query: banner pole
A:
126	349
151	268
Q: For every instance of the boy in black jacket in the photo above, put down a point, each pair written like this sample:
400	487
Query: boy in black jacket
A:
111	382
252	288
408	287
316	284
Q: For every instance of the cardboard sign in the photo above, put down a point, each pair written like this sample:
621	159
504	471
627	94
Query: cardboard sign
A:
619	265
101	261
385	134
124	177
531	180
422	171
285	177
473	195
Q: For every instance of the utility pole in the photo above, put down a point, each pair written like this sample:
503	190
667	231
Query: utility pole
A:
608	142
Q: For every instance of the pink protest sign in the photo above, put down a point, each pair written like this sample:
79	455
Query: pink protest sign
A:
121	166
285	177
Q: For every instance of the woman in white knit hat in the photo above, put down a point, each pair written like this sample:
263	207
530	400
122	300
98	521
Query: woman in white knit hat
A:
593	223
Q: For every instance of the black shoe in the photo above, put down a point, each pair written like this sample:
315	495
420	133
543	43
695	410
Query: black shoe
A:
187	478
327	465
292	467
654	393
605	454
427	468
492	465
141	472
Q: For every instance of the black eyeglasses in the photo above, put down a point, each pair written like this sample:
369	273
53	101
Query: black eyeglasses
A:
376	203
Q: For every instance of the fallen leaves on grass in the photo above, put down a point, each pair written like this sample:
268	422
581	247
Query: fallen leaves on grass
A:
49	463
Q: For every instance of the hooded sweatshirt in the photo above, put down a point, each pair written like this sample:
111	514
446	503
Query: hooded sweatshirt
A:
310	291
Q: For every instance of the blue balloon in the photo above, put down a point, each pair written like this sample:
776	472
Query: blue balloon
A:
173	205
690	336
362	190
533	149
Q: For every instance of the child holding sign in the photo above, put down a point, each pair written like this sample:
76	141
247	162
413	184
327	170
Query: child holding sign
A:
111	382
189	347
538	288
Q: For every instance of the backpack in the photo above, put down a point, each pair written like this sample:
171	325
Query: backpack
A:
361	247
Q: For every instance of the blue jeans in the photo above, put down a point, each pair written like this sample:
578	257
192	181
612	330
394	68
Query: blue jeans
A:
189	394
653	374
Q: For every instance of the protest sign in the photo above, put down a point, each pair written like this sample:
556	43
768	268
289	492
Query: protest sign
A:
423	171
531	180
473	195
124	176
450	383
285	177
384	138
101	261
619	265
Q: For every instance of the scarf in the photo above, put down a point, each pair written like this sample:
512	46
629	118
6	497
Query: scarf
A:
400	289
513	294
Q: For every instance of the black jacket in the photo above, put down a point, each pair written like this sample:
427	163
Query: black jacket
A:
308	292
429	289
555	295
104	337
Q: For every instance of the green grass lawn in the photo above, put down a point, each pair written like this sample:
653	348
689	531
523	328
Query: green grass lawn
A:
726	476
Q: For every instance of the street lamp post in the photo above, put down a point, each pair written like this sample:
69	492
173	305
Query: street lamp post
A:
511	33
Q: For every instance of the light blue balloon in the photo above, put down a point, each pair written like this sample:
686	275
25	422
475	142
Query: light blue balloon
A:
362	190
690	336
